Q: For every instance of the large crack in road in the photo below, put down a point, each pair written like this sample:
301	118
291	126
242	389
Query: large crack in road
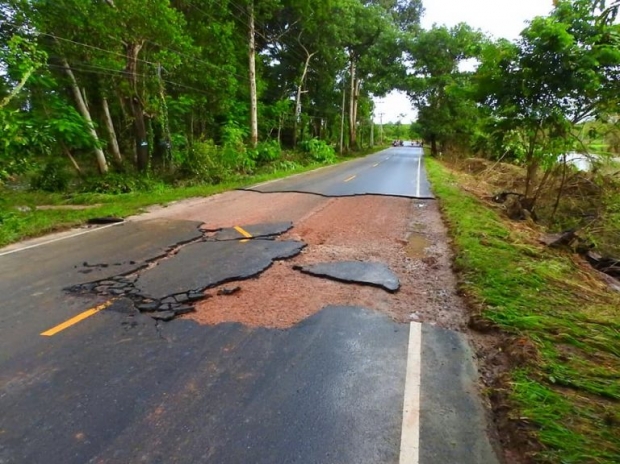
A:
168	285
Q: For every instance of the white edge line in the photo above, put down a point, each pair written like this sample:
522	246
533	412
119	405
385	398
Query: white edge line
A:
410	435
60	238
419	173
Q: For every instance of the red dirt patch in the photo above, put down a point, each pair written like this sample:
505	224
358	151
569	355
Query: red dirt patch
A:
368	228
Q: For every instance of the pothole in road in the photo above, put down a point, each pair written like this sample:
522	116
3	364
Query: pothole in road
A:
417	245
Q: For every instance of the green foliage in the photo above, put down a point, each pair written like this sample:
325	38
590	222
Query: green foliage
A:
201	162
119	183
234	154
266	152
320	151
54	177
567	388
286	165
442	92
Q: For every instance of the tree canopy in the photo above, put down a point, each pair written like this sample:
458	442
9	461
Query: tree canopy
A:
121	83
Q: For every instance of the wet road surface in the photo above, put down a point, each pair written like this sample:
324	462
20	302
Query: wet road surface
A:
347	385
394	172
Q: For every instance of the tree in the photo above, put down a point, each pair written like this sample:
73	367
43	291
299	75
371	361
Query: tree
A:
562	71
438	88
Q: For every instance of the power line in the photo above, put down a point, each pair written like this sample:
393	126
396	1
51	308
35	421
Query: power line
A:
118	73
137	59
63	39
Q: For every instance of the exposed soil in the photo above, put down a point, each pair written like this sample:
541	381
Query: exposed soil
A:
365	228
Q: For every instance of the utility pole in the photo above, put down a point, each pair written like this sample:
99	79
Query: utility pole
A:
381	122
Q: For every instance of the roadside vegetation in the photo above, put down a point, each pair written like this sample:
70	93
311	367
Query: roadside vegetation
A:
556	321
523	138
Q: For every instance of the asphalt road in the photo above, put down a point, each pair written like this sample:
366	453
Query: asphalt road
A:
347	385
395	172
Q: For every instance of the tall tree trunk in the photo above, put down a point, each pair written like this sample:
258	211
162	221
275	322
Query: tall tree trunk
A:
344	94
300	91
532	170
356	99
191	129
116	152
352	119
433	146
101	161
253	96
280	123
137	109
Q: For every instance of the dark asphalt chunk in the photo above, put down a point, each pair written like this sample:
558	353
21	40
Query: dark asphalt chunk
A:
329	390
202	265
376	274
255	230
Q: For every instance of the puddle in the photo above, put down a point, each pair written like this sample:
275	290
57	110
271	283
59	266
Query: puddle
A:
416	246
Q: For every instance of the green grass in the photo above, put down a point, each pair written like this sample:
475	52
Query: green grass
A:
16	225
568	388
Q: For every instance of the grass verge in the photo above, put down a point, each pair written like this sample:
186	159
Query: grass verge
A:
27	221
564	389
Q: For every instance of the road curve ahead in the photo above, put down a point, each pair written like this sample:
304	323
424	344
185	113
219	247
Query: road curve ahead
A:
395	172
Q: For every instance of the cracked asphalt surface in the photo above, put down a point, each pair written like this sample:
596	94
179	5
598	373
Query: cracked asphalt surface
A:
114	385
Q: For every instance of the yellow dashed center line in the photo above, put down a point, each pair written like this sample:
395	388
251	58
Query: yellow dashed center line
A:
350	179
243	232
76	319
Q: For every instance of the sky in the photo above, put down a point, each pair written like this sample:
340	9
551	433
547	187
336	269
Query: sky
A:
499	18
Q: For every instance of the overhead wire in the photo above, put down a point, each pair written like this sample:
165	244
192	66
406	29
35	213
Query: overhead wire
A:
92	69
100	70
152	63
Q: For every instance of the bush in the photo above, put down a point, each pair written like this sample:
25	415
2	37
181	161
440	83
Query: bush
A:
266	152
202	162
319	150
234	154
115	183
54	177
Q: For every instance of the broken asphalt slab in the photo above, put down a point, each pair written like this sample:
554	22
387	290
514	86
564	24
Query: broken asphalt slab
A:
375	274
272	229
202	265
